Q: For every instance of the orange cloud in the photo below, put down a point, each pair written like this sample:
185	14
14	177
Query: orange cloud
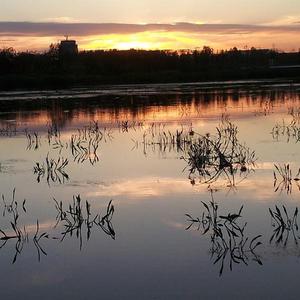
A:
26	35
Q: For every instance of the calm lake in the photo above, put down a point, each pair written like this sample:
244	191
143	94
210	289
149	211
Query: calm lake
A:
151	192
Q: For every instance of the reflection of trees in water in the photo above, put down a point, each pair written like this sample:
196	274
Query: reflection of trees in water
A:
185	101
71	221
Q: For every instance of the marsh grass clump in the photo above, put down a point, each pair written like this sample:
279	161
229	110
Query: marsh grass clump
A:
284	224
78	218
294	112
289	130
33	140
9	129
284	179
53	170
85	149
157	139
266	108
228	238
125	126
84	145
18	233
222	154
75	220
53	131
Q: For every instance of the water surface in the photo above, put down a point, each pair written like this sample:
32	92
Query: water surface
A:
146	248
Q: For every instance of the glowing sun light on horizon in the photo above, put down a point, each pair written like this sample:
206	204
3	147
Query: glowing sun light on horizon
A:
143	40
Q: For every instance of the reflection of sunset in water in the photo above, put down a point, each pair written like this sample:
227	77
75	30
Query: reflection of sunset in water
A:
175	108
149	181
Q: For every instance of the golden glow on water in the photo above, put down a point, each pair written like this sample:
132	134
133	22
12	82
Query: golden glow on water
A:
198	108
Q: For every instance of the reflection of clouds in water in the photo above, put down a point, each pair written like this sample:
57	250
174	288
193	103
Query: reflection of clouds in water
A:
260	189
143	188
46	225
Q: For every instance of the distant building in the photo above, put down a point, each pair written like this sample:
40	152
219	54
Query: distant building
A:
68	47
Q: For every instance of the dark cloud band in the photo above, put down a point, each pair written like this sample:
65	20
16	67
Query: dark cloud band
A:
84	29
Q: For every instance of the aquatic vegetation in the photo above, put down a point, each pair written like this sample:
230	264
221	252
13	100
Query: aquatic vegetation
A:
72	221
53	131
266	108
33	140
124	126
159	140
284	180
294	112
9	129
85	149
220	155
18	233
84	145
78	218
228	239
289	130
167	141
284	224
52	169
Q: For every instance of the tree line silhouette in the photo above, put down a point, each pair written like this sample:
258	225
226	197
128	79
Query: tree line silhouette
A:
53	70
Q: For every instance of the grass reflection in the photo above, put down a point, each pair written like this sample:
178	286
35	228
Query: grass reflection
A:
229	242
71	221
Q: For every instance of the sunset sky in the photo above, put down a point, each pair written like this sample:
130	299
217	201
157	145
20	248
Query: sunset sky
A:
151	24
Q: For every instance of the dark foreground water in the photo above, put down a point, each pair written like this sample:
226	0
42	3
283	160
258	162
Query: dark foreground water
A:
171	231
